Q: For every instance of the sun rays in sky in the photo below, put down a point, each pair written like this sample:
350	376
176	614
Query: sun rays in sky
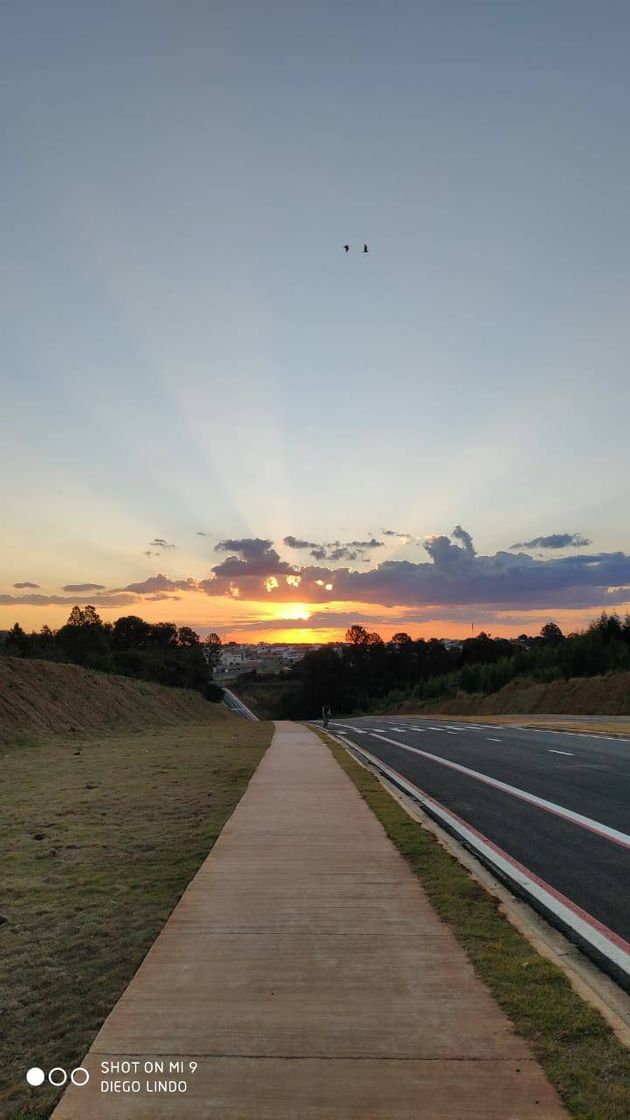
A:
192	359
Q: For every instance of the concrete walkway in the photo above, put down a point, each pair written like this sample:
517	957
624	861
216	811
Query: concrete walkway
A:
306	974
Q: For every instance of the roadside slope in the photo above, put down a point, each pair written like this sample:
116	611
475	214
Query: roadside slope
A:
44	697
602	695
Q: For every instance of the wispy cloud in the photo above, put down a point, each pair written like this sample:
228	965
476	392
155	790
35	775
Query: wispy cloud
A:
554	540
405	538
297	542
106	599
160	583
84	587
21	586
334	551
159	542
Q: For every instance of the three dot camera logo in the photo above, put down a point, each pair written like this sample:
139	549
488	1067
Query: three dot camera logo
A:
57	1076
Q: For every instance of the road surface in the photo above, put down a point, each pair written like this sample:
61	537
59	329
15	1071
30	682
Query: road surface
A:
232	701
554	805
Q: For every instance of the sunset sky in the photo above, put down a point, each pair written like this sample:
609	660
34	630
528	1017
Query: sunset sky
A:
212	415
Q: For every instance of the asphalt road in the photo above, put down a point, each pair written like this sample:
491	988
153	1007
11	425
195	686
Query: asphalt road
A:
235	705
558	803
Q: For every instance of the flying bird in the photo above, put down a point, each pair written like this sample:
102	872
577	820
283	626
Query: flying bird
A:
346	247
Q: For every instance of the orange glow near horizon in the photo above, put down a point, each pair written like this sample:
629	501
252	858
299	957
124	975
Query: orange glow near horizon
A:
251	621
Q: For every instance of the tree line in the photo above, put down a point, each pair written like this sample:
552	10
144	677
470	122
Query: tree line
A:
152	651
366	673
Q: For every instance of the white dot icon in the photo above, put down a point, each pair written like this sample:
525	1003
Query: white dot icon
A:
35	1076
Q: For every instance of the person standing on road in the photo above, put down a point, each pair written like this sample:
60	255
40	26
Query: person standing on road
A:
326	714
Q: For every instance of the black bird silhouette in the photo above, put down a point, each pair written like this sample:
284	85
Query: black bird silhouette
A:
346	247
365	248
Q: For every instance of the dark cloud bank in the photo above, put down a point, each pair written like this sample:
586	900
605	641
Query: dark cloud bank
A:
453	576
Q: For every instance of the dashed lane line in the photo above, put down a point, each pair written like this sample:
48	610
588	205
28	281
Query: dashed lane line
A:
597	827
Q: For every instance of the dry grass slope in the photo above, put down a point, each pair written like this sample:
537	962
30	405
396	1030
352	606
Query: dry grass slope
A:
603	695
40	697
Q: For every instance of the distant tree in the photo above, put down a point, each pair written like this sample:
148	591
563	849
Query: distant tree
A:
400	639
212	650
357	636
130	632
17	642
608	627
91	618
480	649
44	643
187	637
552	633
437	659
84	639
402	660
84	616
163	635
374	639
323	678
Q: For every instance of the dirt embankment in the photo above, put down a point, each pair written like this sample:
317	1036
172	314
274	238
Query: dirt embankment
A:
605	695
43	697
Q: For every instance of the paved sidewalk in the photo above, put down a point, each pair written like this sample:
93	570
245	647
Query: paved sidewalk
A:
307	975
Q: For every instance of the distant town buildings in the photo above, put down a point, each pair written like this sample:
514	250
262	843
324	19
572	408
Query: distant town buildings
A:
278	657
274	657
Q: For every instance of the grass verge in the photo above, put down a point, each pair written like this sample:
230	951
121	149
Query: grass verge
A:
101	836
580	1054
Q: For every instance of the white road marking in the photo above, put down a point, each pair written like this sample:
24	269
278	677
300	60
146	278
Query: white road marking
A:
489	740
597	827
569	754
